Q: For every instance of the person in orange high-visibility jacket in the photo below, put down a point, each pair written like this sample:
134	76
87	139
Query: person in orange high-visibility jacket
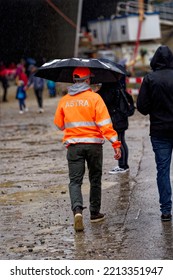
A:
84	118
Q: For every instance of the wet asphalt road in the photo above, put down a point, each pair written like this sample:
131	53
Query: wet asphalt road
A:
36	219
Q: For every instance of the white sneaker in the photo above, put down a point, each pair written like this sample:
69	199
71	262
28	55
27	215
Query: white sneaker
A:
26	109
20	112
118	169
41	110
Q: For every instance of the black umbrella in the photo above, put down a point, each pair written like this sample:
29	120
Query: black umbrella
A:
61	70
114	65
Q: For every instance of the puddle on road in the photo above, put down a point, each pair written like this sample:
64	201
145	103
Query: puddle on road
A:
24	196
23	126
29	196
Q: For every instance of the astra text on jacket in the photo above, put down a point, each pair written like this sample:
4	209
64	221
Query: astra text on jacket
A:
77	103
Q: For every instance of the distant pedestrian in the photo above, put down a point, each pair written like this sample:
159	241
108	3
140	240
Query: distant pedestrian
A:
120	106
21	74
4	81
51	85
156	100
85	120
38	85
21	96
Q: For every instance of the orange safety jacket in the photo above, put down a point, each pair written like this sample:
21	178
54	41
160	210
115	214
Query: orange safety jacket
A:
85	119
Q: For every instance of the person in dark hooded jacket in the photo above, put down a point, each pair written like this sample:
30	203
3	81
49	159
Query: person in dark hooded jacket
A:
156	100
116	103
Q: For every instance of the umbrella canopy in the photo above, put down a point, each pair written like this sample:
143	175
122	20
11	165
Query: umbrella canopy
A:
61	70
114	65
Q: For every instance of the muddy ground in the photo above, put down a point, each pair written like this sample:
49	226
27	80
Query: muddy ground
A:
36	219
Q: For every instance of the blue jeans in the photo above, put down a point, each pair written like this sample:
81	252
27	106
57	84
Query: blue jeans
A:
22	104
162	148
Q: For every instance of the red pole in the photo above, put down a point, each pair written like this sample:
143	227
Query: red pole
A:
137	39
141	17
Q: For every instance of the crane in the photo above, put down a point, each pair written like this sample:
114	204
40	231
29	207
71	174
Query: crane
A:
141	18
140	21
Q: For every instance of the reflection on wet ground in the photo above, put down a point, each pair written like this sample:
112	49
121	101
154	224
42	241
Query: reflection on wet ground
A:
36	219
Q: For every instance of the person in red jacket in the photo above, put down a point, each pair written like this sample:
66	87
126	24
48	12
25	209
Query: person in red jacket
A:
4	81
84	118
21	75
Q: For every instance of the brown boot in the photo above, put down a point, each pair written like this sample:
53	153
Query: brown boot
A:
96	217
78	219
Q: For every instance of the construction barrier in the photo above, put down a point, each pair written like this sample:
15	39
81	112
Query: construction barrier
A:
133	84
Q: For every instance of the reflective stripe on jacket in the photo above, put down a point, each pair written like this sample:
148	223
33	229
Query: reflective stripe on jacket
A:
85	119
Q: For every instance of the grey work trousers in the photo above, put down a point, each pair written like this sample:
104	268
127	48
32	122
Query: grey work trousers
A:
77	155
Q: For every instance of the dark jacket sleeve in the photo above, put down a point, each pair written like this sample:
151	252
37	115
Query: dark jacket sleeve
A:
143	101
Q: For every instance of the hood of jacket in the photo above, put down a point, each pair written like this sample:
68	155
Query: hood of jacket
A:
163	58
77	88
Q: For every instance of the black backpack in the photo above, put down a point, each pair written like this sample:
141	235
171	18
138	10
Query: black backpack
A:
117	99
126	104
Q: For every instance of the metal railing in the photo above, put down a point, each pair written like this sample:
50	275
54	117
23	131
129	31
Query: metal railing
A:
165	10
